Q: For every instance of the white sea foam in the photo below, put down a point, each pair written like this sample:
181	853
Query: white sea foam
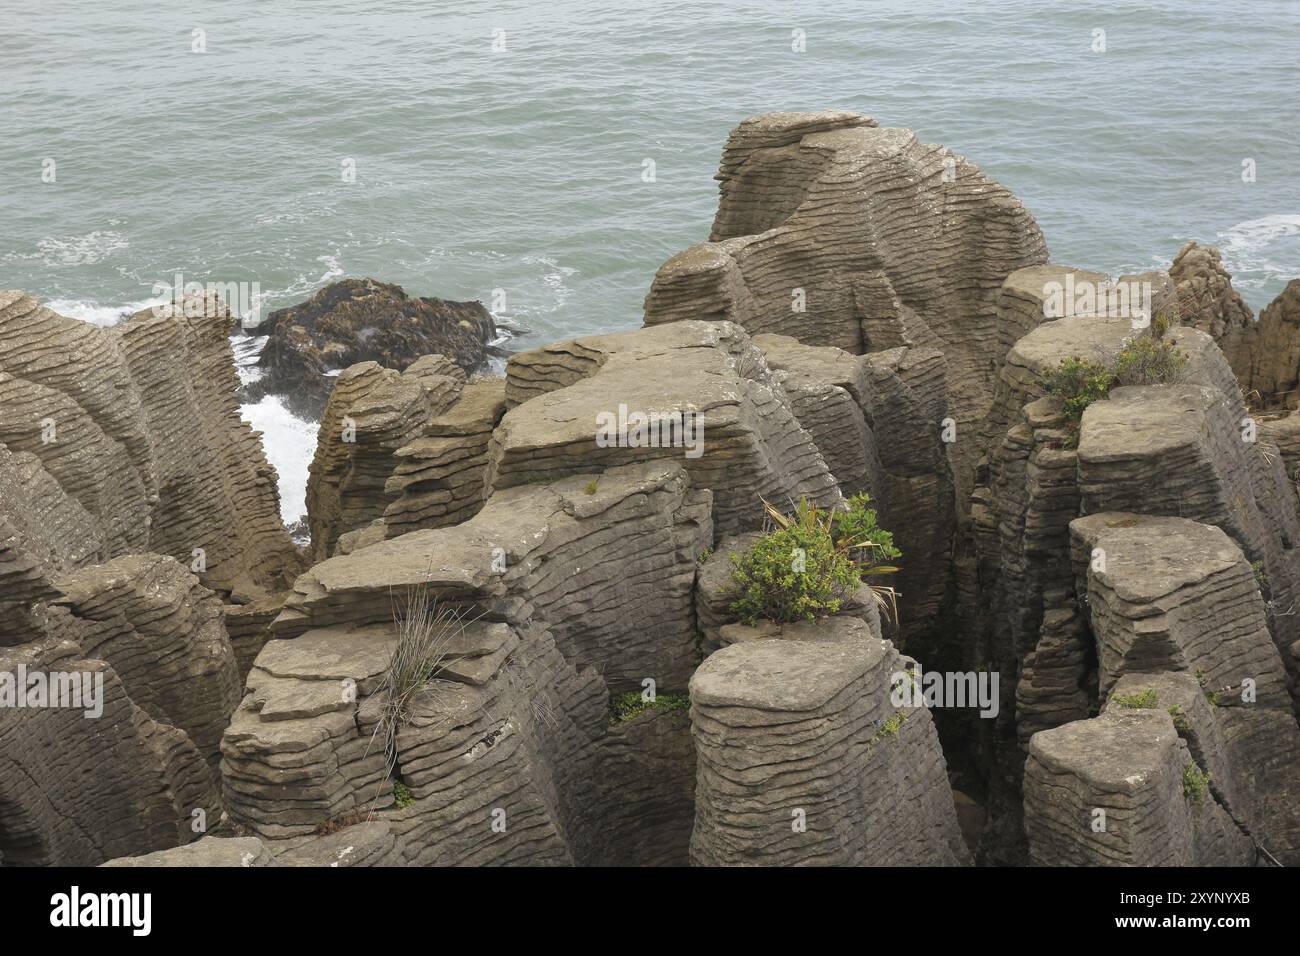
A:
85	310
1262	250
81	250
289	443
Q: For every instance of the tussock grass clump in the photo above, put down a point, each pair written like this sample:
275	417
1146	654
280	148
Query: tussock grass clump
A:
425	629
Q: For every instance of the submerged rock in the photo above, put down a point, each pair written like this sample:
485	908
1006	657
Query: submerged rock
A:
362	320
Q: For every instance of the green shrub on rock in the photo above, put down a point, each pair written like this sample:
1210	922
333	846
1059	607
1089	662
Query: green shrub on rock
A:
1079	382
1149	360
808	563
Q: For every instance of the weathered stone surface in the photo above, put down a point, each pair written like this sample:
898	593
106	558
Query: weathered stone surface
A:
77	790
440	477
210	851
131	439
1129	765
588	553
1206	298
877	419
362	320
753	447
517	719
1266	355
790	732
88	779
162	633
1179	450
882	240
372	413
1173	595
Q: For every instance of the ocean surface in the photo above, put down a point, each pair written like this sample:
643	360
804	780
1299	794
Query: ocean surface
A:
502	145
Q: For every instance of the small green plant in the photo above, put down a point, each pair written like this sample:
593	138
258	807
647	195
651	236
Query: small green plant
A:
1258	568
402	795
892	725
871	544
808	563
1180	719
1149	360
705	555
1079	382
795	571
624	707
1143	701
1195	783
592	485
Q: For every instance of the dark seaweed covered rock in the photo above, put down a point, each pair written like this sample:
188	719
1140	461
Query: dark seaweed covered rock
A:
361	320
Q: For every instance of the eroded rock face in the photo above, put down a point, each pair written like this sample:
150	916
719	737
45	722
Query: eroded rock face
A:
876	419
163	634
1266	357
128	439
518	719
1206	298
1124	772
1175	450
804	760
362	320
123	766
123	465
1179	450
1170	596
373	414
735	431
841	233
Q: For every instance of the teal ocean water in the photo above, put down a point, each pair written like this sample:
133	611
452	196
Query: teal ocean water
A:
501	145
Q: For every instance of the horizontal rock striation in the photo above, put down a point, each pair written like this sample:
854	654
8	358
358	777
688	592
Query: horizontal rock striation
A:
440	477
163	634
804	760
1111	792
734	429
1266	357
373	412
138	427
877	420
78	786
515	731
1183	450
839	232
1177	596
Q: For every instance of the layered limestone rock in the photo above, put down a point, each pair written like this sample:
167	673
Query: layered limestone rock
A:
877	419
1123	790
97	779
804	760
163	634
372	413
1019	598
1266	357
1185	450
210	851
698	393
1206	298
439	477
115	444
509	755
362	320
1174	596
842	233
130	438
